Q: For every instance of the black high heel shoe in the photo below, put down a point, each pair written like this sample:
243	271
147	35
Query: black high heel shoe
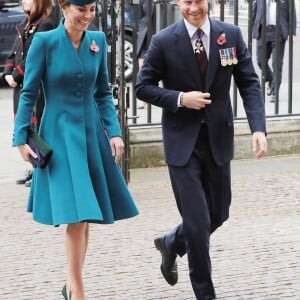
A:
64	293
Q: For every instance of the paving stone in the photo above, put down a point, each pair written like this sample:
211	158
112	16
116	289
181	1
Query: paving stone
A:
255	254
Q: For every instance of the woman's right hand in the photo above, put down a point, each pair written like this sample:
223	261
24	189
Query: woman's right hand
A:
26	151
10	80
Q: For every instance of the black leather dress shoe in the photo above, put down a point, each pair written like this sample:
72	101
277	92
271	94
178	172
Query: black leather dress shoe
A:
168	265
27	177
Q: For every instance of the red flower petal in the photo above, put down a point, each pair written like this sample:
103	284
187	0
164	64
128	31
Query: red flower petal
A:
94	47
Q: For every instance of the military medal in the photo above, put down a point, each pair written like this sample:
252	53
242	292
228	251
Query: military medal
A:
233	54
198	46
224	61
223	57
229	60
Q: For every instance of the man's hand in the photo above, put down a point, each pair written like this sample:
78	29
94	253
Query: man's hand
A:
259	140
195	100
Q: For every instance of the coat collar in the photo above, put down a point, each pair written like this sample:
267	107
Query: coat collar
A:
67	41
32	26
85	52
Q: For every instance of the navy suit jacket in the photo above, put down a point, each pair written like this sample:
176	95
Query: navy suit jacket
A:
284	18
170	59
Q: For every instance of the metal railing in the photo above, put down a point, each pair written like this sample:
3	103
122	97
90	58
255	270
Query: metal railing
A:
237	12
113	23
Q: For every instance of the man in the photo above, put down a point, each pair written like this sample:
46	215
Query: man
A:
146	9
197	124
271	43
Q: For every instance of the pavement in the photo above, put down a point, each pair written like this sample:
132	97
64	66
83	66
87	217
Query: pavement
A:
255	254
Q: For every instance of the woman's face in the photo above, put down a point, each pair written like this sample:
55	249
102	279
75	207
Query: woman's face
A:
78	18
27	5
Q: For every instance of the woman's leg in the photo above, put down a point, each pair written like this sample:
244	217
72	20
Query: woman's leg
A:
77	236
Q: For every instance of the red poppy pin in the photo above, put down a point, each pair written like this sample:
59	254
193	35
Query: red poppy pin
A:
221	39
94	47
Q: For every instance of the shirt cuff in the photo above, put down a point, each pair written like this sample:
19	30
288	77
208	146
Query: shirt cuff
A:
178	100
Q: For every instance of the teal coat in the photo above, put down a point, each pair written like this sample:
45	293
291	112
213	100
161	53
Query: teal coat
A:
82	182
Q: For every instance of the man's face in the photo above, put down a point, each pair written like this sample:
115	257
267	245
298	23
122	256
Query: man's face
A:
194	11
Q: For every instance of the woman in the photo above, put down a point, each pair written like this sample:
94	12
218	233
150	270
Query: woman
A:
82	183
38	12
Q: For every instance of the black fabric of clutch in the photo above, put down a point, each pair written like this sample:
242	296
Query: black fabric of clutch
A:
40	147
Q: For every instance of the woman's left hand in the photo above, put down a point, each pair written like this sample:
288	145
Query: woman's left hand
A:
117	147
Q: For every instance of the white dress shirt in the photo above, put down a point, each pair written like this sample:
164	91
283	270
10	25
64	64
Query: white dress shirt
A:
271	12
205	28
191	29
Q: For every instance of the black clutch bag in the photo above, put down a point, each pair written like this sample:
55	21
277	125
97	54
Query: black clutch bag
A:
40	147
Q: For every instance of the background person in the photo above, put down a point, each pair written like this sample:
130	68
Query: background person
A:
143	32
271	44
37	19
82	183
198	128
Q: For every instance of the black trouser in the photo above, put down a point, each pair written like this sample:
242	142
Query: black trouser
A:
271	48
203	195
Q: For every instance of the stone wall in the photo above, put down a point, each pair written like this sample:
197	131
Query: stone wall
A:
146	148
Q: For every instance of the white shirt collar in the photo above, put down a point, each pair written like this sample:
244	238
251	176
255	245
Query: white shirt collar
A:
192	29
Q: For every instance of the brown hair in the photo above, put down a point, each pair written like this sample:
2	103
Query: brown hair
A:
40	7
63	3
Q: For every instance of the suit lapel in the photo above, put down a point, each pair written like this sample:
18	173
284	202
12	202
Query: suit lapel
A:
189	60
214	56
186	54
